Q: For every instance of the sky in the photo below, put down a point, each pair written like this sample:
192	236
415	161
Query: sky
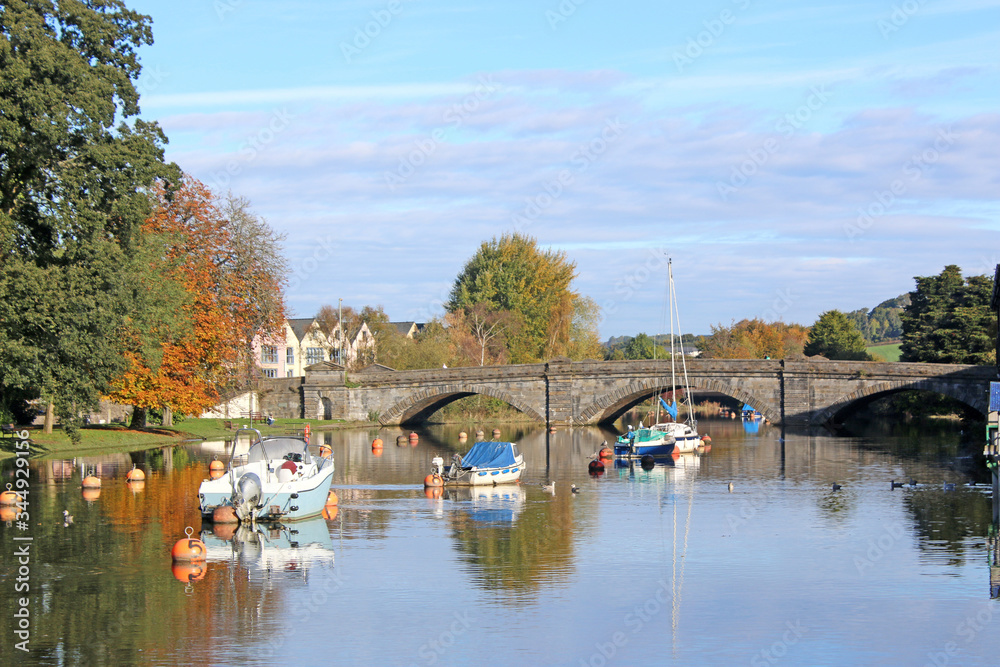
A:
789	157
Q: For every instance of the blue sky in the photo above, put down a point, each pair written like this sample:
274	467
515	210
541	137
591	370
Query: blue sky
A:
791	157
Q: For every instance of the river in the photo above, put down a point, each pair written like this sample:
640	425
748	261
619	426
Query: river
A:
641	567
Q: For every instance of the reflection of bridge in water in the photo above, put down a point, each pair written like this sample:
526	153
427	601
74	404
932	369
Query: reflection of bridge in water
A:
561	392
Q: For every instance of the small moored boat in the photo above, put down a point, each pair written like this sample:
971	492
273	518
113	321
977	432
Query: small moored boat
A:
278	478
486	463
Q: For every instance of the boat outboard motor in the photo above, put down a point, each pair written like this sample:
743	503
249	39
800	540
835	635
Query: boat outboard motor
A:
437	465
247	496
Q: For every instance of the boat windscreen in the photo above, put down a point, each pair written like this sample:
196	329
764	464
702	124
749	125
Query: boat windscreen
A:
277	448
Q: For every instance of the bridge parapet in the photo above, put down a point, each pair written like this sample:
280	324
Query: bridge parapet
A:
563	392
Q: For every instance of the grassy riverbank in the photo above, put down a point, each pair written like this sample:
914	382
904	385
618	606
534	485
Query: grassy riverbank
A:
113	438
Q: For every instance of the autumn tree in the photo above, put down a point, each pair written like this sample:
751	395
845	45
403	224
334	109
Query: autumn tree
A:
753	339
76	166
949	320
585	337
229	265
512	274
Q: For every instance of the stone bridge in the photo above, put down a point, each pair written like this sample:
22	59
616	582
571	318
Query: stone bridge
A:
561	392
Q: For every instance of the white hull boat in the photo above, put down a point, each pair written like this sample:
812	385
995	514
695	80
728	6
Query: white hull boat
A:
277	479
486	464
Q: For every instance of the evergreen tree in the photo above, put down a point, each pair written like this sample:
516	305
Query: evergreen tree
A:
949	320
835	336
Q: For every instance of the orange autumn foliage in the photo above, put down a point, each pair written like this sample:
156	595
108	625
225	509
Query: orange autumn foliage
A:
199	251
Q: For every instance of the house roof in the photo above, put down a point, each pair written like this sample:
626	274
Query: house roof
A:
406	328
300	326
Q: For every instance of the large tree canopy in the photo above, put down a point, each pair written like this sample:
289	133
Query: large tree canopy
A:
949	320
76	168
835	336
513	274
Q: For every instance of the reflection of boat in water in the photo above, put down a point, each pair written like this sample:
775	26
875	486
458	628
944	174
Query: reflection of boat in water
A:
277	479
490	504
486	464
271	548
670	469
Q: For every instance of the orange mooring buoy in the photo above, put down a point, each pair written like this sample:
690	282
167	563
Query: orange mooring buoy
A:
90	495
496	434
330	512
325	451
9	513
10	497
216	464
433	480
377	443
414	437
91	482
216	474
188	548
135	474
607	453
331	498
187	571
462	436
224	514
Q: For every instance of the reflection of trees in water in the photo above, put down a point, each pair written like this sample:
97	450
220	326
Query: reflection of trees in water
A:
945	520
536	548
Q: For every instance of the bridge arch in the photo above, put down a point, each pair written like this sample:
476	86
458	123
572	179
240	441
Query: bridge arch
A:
422	403
609	407
963	394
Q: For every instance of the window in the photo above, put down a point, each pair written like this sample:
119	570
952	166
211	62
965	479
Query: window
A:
270	372
288	374
314	355
268	354
289	355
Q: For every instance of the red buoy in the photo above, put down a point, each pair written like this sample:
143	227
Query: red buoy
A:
607	453
9	497
377	443
433	480
225	514
188	548
188	571
596	466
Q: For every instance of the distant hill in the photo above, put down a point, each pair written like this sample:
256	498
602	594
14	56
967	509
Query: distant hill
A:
883	323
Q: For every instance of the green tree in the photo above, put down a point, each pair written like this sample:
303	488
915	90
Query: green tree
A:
949	320
835	336
512	274
76	168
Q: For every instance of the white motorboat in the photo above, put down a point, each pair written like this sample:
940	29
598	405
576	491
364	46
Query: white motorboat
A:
487	463
277	479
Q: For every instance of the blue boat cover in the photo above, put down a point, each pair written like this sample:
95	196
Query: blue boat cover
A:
489	455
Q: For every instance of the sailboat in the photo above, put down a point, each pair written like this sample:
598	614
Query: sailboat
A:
668	437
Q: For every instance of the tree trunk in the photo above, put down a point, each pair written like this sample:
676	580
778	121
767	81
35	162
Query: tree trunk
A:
50	417
168	416
138	417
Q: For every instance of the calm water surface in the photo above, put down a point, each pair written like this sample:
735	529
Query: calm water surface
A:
664	566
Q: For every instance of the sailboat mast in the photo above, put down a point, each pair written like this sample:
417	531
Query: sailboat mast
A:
676	316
